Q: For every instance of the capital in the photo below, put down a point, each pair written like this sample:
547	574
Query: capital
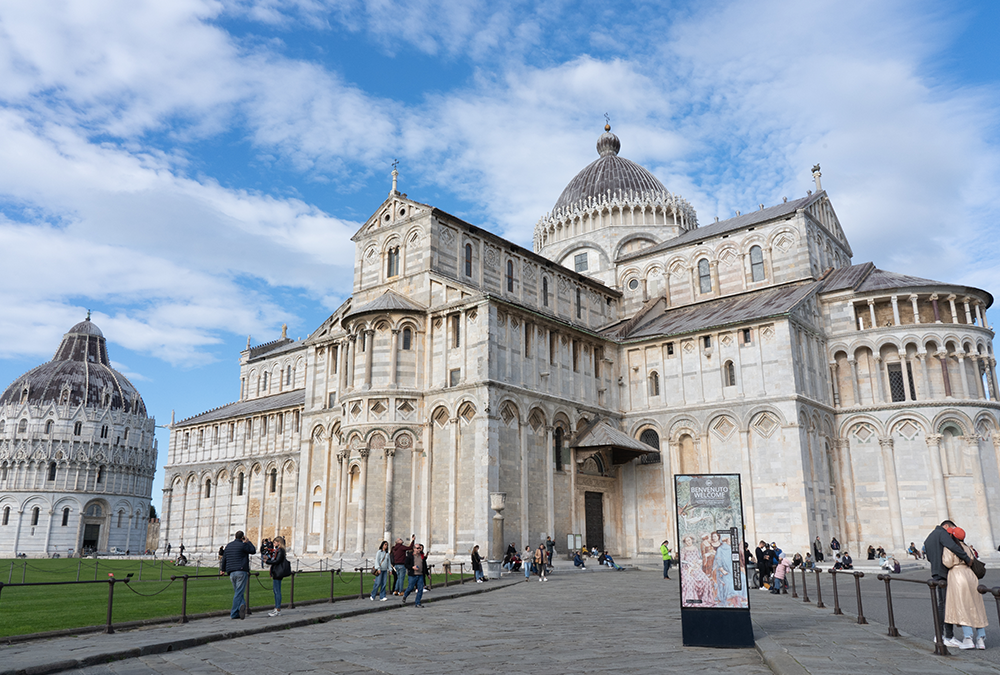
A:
390	452
886	442
364	452
933	439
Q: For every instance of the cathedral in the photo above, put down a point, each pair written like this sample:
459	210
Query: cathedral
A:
631	344
77	455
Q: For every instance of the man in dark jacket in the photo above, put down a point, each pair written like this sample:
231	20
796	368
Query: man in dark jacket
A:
236	563
935	544
398	557
417	567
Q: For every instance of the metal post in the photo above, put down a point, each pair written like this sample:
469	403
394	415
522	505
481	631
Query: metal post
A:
184	599
794	593
161	570
79	567
111	598
249	574
97	563
939	647
333	575
461	571
24	570
447	568
819	592
291	596
836	598
140	569
805	587
857	588
893	632
10	577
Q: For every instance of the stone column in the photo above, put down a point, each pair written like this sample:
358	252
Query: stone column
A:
968	313
880	377
954	312
834	385
453	489
497	502
550	505
362	490
937	476
48	532
937	311
854	381
982	505
979	375
943	357
904	366
394	357
344	495
925	384
871	311
369	349
746	485
895	309
390	454
916	309
963	375
992	378
892	495
351	346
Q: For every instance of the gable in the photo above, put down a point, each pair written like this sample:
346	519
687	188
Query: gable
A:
395	210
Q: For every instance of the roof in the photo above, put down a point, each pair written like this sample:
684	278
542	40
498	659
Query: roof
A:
721	227
390	301
733	309
288	399
599	434
279	346
866	278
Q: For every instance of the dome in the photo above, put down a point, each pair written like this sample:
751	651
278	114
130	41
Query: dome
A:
80	373
609	173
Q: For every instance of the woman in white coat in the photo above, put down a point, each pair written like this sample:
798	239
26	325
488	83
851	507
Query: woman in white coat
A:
964	605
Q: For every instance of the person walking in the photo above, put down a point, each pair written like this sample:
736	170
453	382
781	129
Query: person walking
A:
964	605
527	563
398	557
668	558
477	565
236	563
382	569
818	549
280	568
541	560
416	565
550	550
935	544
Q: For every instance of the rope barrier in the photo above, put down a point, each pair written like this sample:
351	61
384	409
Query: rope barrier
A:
150	595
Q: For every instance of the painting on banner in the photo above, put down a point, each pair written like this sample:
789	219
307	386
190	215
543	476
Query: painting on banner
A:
710	531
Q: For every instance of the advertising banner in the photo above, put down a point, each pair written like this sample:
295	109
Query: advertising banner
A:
715	605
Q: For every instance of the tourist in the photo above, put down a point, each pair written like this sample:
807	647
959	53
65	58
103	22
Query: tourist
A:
934	546
808	563
751	566
871	552
168	550
847	561
779	573
382	572
416	565
763	563
834	545
550	550
880	553
398	556
236	563
668	558
796	561
964	604
281	567
529	563
541	562
818	549
222	551
610	562
578	562
477	565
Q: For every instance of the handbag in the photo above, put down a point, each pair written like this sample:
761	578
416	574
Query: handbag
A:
978	568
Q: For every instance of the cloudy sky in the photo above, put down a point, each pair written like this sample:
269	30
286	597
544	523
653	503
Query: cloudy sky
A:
191	170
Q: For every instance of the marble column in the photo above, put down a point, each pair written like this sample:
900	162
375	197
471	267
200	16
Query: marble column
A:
904	366
892	495
550	505
362	494
854	381
979	375
453	488
916	309
390	454
394	356
895	309
344	496
369	350
963	374
985	537
937	476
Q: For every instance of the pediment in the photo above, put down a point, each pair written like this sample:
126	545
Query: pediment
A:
395	210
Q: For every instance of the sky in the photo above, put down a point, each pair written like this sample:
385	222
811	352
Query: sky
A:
191	171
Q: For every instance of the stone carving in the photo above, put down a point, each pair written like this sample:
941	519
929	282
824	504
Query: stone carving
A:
492	256
447	236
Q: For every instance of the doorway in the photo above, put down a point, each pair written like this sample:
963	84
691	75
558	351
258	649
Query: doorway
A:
593	508
91	537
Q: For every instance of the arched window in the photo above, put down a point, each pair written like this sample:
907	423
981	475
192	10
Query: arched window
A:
208	488
355	483
392	262
407	338
579	305
545	292
77	428
22	426
125	435
48	426
6	515
34	516
468	260
654	384
274	480
52	470
121	514
557	443
317	510
249	427
263	426
730	374
186	441
510	276
756	263
650	438
65	520
279	424
104	431
704	276
100	474
264	382
288	376
239	486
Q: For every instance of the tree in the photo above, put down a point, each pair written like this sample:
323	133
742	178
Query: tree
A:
152	512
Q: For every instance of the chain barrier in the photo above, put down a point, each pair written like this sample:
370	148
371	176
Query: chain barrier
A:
150	595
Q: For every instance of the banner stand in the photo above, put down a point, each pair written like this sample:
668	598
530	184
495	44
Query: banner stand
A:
715	602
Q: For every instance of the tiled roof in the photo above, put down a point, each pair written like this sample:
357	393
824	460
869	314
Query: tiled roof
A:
288	399
276	347
866	277
847	277
603	435
390	301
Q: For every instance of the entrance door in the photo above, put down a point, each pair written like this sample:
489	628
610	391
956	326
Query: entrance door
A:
91	537
594	511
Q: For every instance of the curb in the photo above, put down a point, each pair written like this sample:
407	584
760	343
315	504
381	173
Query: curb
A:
177	644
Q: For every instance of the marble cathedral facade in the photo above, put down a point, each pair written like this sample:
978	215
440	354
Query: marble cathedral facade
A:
631	344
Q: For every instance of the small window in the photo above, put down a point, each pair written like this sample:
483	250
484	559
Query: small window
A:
454	377
756	263
730	374
468	260
407	339
100	474
48	426
264	383
34	516
6	515
22	426
184	444
125	435
598	357
553	343
104	432
747	336
288	375
557	443
704	276
362	339
650	438
392	262
77	428
239	485
670	349
510	276
456	331
232	431
528	330
707	341
121	514
52	470
263	426
274	480
208	488
545	292
633	284
296	417
65	518
249	427
576	356
654	384
579	304
580	262
279	424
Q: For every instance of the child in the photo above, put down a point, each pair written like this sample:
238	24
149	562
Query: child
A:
779	573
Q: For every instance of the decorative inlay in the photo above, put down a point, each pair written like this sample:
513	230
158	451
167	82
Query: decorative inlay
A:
765	424
492	256
724	428
447	236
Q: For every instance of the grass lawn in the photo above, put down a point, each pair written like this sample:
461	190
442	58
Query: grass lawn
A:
34	609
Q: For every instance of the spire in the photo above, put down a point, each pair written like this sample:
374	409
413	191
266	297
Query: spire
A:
395	175
608	143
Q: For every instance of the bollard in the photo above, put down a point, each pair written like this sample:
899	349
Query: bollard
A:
161	570
939	647
140	569
96	565
291	594
79	567
361	581
447	569
995	592
24	570
10	577
819	593
785	590
893	632
805	587
108	629
857	588
255	574
333	575
836	598
184	598
461	572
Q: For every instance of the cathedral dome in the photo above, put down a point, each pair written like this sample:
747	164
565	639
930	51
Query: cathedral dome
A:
80	373
609	174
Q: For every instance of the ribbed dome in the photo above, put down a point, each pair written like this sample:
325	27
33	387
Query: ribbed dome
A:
610	173
82	370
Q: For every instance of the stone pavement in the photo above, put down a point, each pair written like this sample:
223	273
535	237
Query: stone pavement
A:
598	621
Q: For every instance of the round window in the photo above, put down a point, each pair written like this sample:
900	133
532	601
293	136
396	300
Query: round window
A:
633	284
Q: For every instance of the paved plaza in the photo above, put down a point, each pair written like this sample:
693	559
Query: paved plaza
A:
598	621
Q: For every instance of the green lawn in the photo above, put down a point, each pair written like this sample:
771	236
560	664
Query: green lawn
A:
34	609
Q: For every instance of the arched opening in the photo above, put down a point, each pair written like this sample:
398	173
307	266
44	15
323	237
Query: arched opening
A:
52	471
557	444
407	339
34	516
654	384
689	458
468	260
316	522
239	485
545	292
354	483
65	517
650	438
48	426
6	515
510	276
704	276
22	426
208	488
274	480
729	371
392	262
756	263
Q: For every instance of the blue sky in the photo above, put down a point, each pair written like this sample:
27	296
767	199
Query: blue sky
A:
192	170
